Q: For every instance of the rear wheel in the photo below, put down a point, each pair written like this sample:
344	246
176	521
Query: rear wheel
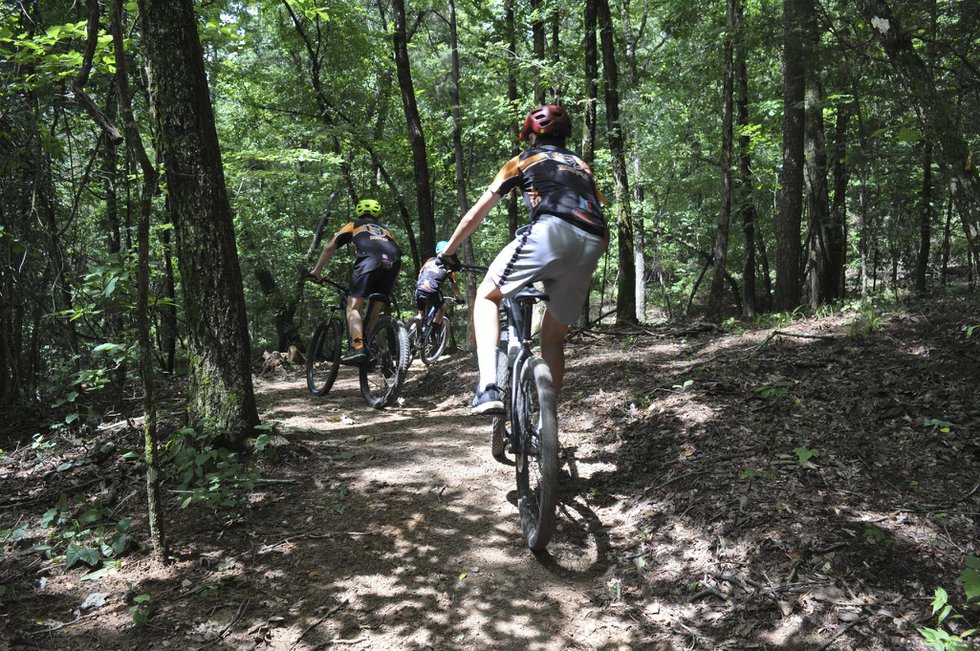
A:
414	327
323	357
384	372
536	457
432	341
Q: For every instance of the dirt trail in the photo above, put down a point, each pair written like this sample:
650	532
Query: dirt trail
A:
807	487
411	537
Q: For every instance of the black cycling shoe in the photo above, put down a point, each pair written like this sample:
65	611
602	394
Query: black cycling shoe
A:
355	357
489	401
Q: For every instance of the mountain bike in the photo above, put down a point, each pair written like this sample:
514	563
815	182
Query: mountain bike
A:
426	339
529	428
386	340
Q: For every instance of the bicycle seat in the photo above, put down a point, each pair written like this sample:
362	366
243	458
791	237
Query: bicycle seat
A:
381	298
530	294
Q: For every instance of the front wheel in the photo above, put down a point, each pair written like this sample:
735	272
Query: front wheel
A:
432	341
536	456
384	371
323	357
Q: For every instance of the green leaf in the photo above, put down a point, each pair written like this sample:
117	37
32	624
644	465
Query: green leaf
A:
940	600
110	286
77	554
970	578
906	134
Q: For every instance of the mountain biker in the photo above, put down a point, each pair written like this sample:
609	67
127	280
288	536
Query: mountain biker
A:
561	246
376	266
427	292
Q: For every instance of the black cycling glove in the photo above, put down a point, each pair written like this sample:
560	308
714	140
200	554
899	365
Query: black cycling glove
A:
450	262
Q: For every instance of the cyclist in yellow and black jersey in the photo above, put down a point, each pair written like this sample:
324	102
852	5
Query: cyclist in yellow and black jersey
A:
376	266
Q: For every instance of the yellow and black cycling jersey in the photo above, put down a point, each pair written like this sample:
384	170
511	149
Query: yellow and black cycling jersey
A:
374	246
555	182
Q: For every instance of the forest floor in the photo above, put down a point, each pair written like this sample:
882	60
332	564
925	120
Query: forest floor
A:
806	487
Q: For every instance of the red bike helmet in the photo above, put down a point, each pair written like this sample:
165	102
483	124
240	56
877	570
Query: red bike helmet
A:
548	119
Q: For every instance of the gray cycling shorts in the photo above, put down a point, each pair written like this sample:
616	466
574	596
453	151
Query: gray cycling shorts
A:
561	256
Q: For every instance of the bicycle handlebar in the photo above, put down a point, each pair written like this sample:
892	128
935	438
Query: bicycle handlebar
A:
474	267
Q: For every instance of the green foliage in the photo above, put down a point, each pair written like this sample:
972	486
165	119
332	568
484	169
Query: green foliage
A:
205	473
687	384
777	386
139	610
946	636
804	454
867	318
85	534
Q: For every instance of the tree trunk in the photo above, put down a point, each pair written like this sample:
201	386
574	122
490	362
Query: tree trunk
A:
727	135
134	144
591	82
427	224
538	46
791	202
815	172
220	396
925	219
837	228
591	50
626	285
744	184
513	217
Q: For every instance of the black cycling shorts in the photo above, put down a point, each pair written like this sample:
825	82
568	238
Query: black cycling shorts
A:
378	281
425	300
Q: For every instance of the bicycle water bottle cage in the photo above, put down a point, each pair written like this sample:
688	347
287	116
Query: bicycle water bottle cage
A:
381	298
530	294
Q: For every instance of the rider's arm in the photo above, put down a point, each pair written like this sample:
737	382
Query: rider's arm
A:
472	219
330	249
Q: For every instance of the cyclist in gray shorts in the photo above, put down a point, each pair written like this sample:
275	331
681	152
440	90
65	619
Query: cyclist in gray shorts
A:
561	246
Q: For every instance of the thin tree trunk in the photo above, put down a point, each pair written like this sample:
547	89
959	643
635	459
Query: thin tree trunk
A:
462	203
591	50
512	62
744	185
727	136
791	202
427	225
626	284
925	220
815	176
946	235
837	230
538	47
134	144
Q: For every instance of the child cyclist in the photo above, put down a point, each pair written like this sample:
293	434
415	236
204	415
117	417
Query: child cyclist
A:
427	289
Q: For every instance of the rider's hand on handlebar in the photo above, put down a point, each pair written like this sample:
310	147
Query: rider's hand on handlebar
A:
314	278
450	262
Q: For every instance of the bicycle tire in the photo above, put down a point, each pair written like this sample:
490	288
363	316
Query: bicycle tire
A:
384	372
413	326
323	357
536	457
499	435
433	345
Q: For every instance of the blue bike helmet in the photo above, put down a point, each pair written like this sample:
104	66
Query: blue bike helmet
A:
441	246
